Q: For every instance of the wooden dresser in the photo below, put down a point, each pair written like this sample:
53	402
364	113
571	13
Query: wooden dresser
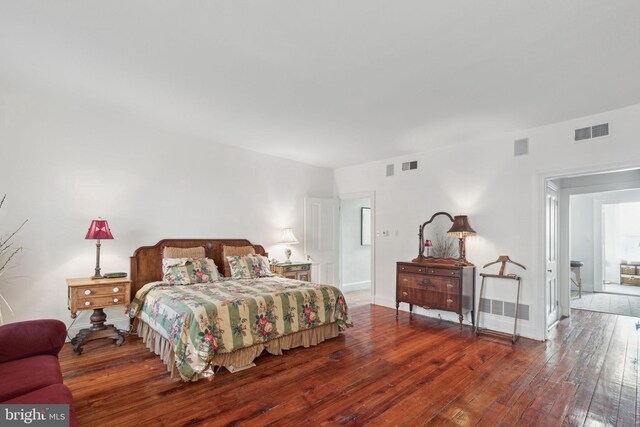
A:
436	286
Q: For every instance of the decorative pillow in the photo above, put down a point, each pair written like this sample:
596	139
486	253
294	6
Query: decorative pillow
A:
174	271
195	253
185	271
248	267
266	266
234	251
202	270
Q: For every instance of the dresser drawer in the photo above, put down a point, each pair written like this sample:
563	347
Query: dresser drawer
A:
100	301
443	272
412	269
431	283
627	269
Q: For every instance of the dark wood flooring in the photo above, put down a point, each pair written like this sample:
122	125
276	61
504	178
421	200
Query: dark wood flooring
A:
381	372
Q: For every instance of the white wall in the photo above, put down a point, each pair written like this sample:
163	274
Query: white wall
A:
355	260
502	195
65	160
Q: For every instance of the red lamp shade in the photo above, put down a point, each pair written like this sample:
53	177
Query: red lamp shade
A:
99	229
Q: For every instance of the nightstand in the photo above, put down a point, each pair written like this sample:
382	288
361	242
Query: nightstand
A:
294	270
96	294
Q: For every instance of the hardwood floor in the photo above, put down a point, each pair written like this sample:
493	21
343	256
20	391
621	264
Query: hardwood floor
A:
381	372
358	298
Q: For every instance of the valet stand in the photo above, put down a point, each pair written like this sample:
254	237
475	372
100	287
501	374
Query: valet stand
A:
504	259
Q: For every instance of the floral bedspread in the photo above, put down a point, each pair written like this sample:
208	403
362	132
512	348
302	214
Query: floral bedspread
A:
213	318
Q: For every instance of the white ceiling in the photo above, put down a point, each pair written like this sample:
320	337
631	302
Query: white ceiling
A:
332	82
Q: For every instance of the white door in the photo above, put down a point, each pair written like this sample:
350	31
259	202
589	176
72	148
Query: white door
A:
321	236
551	254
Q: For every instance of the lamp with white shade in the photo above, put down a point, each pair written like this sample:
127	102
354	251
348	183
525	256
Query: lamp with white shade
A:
287	237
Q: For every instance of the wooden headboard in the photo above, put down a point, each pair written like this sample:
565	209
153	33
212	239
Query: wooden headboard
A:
146	262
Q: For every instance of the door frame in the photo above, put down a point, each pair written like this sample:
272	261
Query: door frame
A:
550	185
360	195
539	238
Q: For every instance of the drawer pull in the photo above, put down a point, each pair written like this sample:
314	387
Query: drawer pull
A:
87	292
405	294
116	289
87	303
449	285
116	300
426	282
449	301
419	270
453	273
401	268
405	280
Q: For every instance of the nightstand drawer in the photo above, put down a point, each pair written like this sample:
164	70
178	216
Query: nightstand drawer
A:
99	290
100	301
295	268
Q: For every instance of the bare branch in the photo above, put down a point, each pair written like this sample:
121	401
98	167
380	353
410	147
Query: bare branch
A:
13	234
9	259
4	249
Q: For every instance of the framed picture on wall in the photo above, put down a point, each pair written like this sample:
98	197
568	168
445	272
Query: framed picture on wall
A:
365	222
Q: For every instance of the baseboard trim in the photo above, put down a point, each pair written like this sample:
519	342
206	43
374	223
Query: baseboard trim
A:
489	321
356	286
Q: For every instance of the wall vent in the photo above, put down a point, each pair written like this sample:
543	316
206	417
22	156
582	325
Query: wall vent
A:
504	308
583	133
591	132
600	130
406	166
496	307
521	147
390	170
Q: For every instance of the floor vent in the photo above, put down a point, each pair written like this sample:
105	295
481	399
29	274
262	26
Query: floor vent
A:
591	132
407	166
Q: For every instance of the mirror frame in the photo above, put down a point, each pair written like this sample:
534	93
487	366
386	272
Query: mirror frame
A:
430	259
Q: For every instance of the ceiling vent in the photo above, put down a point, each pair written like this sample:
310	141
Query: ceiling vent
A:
521	147
407	166
591	132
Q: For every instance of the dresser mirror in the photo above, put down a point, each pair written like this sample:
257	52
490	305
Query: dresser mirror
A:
436	245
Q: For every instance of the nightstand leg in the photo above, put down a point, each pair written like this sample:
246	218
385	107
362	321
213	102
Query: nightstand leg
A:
397	307
460	318
97	331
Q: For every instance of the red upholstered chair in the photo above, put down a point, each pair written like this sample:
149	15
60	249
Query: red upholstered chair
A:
29	368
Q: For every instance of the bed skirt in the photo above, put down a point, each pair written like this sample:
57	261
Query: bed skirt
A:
237	359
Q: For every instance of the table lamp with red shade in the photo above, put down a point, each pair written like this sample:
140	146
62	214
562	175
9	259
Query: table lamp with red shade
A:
99	229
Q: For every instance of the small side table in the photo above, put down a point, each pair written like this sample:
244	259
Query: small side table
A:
294	270
96	294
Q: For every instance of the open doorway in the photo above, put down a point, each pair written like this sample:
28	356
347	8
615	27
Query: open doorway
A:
356	248
603	241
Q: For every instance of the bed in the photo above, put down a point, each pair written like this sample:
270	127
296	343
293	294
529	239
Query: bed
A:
197	327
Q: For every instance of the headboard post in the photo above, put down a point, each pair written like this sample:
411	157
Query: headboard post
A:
146	262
